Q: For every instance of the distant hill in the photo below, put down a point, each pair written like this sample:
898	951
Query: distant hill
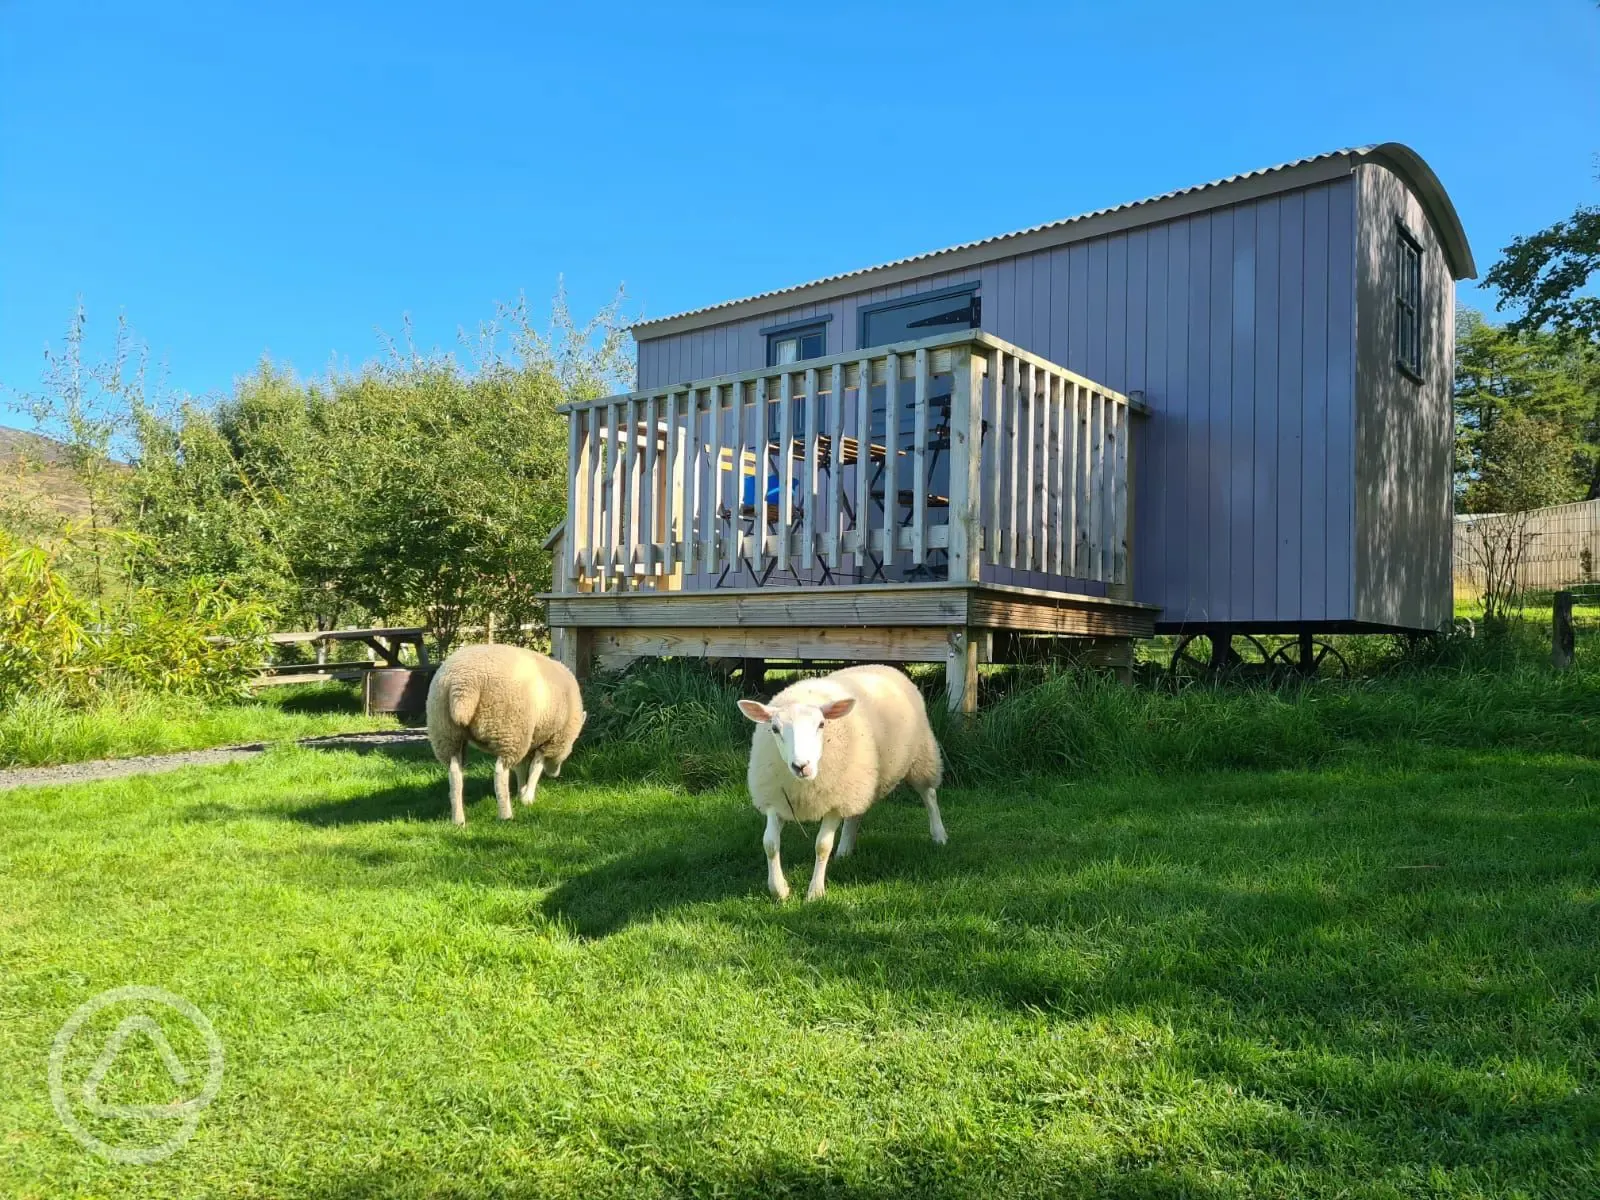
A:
33	471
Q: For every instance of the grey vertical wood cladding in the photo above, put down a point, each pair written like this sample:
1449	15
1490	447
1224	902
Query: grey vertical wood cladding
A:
1403	436
1262	496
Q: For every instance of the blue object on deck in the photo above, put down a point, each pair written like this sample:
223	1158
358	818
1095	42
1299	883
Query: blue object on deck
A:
774	490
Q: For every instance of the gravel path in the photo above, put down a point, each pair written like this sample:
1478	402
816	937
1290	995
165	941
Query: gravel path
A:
117	768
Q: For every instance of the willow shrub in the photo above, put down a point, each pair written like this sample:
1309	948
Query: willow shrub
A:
192	639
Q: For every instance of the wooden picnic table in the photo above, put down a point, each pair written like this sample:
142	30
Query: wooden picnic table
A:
386	643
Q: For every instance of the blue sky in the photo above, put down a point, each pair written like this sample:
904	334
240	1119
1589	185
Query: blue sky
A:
286	179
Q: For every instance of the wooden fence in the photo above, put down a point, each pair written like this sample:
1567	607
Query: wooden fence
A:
1563	549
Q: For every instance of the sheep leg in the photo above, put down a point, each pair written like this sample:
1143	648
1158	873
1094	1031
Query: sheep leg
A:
502	788
530	771
830	826
930	797
847	838
776	883
458	808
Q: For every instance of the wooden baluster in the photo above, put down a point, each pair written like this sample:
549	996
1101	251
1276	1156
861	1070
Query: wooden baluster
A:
1014	403
891	452
627	448
1069	480
758	437
1028	475
813	418
863	462
630	497
966	462
577	497
1042	380
785	465
919	468
997	375
597	461
1097	486
1058	483
1081	557
672	521
712	495
735	481
836	468
1119	494
651	508
614	497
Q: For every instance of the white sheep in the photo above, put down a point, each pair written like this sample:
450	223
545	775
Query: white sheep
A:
828	749
516	704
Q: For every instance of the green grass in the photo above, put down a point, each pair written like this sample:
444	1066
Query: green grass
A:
1332	943
42	730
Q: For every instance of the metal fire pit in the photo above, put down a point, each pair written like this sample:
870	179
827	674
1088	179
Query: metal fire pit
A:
402	691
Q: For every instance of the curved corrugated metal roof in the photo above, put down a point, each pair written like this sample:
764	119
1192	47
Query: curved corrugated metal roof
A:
1395	155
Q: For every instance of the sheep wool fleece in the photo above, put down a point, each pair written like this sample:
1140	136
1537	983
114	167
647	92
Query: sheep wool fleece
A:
885	740
505	700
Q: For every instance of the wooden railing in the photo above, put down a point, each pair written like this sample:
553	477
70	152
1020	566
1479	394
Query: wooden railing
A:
985	454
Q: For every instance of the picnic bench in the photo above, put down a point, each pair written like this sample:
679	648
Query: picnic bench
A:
384	647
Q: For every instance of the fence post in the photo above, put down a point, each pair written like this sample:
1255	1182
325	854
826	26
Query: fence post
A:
1561	639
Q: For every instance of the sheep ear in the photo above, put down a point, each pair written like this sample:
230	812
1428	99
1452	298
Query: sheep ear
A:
755	710
837	709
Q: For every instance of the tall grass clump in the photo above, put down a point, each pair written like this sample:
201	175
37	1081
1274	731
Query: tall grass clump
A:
669	720
676	721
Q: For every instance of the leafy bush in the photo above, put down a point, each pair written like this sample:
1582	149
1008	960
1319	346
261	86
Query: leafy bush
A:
195	639
43	623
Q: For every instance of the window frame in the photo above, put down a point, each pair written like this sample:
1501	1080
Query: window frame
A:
797	330
866	311
1408	304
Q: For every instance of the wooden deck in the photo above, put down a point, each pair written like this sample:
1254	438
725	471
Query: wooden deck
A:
876	505
959	624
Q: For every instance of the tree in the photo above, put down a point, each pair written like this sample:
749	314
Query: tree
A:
414	490
1527	465
1545	274
1535	375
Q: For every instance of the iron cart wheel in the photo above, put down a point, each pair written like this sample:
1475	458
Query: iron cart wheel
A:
1202	658
1311	659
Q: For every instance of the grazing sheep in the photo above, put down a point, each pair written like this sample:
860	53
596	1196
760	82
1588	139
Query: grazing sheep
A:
520	706
828	749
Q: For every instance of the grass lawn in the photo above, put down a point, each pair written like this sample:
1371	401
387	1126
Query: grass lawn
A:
1379	976
43	731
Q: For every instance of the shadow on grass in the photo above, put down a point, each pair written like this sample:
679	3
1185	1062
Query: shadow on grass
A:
318	699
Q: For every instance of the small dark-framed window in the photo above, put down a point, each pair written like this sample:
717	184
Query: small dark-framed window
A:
796	342
923	315
1408	304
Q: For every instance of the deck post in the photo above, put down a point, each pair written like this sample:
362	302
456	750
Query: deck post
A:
1562	642
573	648
1128	453
966	431
1114	655
961	671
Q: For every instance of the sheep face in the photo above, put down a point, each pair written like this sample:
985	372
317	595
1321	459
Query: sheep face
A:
797	728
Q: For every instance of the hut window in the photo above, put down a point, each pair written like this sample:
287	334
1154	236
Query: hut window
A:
796	343
792	344
1408	306
922	316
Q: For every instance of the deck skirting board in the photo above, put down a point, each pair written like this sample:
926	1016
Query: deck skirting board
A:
809	610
